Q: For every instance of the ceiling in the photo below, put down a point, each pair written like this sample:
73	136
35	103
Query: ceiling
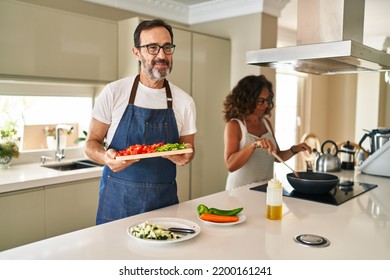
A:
195	11
377	19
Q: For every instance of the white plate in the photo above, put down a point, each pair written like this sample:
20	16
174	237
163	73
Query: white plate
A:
167	223
241	219
156	154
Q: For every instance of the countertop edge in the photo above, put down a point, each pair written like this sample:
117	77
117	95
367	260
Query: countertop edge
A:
29	176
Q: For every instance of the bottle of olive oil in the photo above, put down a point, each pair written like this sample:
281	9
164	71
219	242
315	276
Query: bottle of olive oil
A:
274	199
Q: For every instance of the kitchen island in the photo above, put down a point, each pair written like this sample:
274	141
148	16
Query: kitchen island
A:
37	202
358	229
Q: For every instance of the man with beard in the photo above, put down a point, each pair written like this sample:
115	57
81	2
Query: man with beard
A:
142	109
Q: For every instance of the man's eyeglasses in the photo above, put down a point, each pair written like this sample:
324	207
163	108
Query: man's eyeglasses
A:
155	49
261	100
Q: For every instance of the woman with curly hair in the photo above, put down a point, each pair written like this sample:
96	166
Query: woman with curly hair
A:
249	137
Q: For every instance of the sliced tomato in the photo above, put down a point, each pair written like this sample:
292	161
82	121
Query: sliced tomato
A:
138	149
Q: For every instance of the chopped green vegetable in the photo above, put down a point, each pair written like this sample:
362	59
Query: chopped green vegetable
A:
152	231
171	147
203	209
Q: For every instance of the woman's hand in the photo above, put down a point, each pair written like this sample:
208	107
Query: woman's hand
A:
300	147
265	144
114	164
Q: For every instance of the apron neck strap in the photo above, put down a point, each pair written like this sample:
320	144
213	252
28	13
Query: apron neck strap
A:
169	94
134	90
135	86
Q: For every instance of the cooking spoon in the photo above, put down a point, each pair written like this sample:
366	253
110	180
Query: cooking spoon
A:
282	161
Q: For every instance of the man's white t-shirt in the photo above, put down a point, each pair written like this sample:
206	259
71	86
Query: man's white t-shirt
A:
114	98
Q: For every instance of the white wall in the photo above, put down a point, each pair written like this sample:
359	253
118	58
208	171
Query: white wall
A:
244	34
341	113
367	106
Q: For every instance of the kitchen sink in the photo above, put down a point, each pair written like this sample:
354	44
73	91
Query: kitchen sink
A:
74	165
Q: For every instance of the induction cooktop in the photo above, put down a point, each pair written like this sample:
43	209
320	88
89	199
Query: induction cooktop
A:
343	192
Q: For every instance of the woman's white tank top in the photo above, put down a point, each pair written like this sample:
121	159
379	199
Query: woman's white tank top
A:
259	167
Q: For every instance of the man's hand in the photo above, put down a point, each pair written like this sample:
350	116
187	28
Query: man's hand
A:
181	159
114	164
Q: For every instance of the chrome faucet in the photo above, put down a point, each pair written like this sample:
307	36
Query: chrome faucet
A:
60	152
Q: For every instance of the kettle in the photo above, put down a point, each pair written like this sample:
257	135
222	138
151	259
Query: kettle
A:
347	155
378	137
327	162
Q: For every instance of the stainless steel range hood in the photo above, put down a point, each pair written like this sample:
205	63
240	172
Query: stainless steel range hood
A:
348	55
340	57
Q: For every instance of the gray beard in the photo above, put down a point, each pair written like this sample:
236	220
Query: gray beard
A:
155	74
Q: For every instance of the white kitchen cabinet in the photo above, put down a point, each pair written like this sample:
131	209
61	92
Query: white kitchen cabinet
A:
22	217
211	76
35	214
71	206
51	43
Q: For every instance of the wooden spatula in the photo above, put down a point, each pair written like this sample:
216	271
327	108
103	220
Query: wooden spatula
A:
282	161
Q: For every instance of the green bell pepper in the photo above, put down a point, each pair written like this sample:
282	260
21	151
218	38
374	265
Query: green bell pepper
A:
203	209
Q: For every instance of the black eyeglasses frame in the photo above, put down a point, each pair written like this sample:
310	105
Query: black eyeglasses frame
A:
261	100
171	46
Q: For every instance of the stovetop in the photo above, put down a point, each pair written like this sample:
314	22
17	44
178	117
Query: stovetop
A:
343	192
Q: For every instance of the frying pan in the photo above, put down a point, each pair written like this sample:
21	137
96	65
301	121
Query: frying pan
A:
313	182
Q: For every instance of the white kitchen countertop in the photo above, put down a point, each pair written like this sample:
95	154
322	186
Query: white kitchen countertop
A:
27	176
357	229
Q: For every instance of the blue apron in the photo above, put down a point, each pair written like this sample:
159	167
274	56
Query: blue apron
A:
149	183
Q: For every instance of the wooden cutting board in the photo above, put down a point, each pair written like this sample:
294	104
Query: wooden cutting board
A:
156	154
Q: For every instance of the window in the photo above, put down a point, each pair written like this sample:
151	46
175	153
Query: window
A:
286	115
38	107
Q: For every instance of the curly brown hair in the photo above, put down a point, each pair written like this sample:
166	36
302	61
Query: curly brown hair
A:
242	100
